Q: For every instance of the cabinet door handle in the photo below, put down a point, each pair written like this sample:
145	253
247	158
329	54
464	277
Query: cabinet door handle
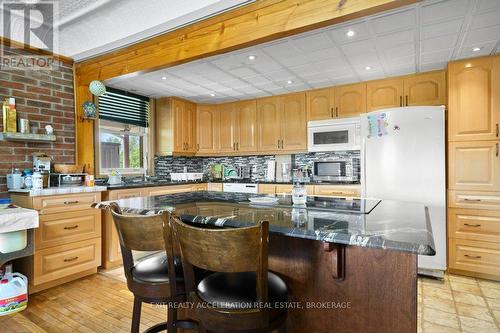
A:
198	147
337	112
278	144
71	259
331	110
497	130
496	149
71	228
237	146
473	200
71	202
400	100
472	257
406	97
472	225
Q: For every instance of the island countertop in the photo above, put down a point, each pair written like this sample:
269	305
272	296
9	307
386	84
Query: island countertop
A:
381	224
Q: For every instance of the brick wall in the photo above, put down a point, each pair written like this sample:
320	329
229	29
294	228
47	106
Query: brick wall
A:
43	97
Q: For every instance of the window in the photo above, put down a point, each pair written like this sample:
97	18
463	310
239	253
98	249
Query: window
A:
123	132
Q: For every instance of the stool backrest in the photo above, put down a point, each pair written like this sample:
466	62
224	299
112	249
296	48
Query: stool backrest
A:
225	250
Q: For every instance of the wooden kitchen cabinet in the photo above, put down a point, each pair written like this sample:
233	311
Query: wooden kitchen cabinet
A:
474	224
425	89
337	190
227	128
282	123
474	258
383	94
474	95
350	100
246	126
208	126
320	104
269	127
175	127
474	165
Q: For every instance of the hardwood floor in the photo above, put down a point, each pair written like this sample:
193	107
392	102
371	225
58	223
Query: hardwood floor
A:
96	303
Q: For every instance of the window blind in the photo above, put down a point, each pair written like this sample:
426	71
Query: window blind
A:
124	107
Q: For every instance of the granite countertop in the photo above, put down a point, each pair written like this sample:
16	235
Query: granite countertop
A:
379	224
60	190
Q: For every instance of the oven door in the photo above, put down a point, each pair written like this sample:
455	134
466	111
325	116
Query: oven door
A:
334	137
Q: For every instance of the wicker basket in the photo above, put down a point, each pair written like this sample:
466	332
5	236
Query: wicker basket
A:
68	168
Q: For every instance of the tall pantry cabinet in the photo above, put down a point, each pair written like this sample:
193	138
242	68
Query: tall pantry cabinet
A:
474	167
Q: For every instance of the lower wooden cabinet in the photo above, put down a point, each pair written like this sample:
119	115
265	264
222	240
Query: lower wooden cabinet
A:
474	224
475	258
65	260
337	190
474	200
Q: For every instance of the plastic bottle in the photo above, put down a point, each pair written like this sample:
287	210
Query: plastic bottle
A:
13	292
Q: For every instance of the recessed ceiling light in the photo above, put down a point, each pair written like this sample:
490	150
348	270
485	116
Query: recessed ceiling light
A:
289	82
252	57
212	94
350	33
368	68
163	77
476	49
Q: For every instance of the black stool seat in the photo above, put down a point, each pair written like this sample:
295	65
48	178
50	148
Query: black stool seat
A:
238	290
154	269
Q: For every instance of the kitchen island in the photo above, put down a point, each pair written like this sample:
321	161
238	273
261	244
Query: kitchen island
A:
350	264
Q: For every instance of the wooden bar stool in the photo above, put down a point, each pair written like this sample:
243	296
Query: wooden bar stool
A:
154	278
230	300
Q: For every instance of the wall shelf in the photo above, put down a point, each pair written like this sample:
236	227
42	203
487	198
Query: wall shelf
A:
28	137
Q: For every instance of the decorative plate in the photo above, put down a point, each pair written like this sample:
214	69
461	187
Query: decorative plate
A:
89	110
97	88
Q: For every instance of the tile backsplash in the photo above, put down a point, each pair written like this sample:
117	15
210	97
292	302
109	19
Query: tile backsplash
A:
164	165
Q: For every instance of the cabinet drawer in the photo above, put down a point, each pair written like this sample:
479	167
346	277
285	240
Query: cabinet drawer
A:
163	190
65	203
63	228
267	188
59	261
474	256
474	199
336	190
199	187
474	224
215	187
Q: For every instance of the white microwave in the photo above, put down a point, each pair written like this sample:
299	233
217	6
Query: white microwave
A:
334	134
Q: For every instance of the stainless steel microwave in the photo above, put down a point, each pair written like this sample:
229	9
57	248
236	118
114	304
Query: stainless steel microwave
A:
345	170
334	134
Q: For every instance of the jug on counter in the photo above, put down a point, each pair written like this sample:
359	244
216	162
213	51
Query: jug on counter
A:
13	292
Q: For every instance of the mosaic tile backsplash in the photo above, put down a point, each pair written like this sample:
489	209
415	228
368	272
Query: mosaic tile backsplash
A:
164	165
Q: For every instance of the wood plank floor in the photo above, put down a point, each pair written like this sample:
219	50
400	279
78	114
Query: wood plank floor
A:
97	303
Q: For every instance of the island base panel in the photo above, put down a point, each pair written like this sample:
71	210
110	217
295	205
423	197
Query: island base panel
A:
378	292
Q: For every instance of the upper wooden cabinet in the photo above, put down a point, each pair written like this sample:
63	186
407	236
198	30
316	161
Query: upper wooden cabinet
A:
383	94
238	127
350	100
246	126
474	165
425	89
413	90
474	94
208	125
175	126
282	123
320	104
269	127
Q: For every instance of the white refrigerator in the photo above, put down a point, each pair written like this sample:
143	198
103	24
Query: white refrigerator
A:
403	158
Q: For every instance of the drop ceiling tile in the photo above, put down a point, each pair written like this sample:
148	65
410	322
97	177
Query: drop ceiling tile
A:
279	75
441	29
443	10
394	39
437	56
404	50
438	43
330	65
294	61
242	72
281	50
258	79
345	80
359	47
339	35
234	83
486	49
483	35
340	72
304	69
320	84
484	5
269	86
319	55
487	19
312	42
397	21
